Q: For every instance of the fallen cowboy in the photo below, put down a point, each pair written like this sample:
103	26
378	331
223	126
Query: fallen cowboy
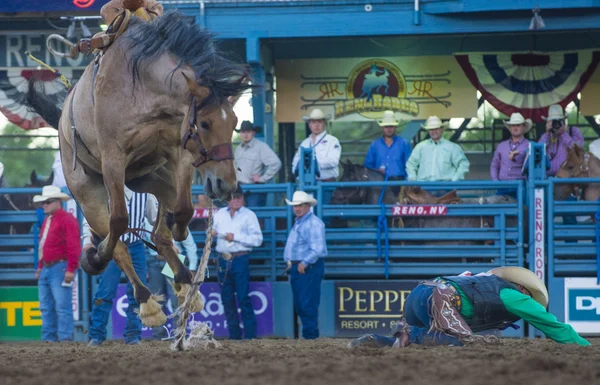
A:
450	310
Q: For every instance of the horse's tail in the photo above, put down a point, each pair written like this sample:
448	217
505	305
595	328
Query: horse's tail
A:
43	104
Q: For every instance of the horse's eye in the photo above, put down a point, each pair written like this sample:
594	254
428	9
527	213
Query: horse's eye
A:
204	125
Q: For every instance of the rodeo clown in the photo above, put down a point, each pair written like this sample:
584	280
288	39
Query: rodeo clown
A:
448	310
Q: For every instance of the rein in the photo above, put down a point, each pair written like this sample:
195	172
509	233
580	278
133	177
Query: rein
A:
10	202
217	153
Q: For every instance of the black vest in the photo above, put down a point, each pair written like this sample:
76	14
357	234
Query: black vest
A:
489	311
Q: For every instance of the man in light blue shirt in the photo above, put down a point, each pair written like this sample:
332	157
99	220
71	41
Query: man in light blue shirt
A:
304	252
237	231
389	154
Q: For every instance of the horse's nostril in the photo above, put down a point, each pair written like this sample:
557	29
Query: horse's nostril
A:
220	186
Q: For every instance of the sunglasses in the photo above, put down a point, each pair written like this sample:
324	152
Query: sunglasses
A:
49	201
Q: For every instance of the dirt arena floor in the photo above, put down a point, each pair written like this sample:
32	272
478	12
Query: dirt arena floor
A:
325	361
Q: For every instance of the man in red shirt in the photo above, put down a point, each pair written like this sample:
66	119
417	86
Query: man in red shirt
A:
59	251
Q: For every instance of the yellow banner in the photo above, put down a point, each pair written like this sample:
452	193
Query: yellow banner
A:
361	89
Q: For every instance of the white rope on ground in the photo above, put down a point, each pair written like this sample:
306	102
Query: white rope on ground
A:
200	333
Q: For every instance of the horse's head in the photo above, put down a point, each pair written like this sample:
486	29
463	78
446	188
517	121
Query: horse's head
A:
575	166
34	181
351	195
207	133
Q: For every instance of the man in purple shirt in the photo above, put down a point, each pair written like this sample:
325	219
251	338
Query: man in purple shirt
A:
558	139
510	154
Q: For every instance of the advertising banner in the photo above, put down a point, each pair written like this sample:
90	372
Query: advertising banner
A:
582	304
354	89
213	313
369	306
20	317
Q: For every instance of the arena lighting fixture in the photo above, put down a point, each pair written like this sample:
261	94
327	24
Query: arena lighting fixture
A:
536	21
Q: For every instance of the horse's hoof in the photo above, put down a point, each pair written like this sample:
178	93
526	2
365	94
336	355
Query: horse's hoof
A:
196	304
90	264
151	312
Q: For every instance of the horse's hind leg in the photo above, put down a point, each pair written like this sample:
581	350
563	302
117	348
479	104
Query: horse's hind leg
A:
161	184
90	193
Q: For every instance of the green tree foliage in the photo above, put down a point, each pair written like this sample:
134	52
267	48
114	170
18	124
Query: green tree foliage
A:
18	164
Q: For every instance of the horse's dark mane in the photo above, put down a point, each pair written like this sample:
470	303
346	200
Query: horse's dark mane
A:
178	34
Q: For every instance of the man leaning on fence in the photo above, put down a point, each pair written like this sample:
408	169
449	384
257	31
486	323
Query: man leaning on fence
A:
237	231
59	251
389	154
255	163
304	253
510	154
436	158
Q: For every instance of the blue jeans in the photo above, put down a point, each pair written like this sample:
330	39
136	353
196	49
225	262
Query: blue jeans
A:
107	290
306	289
55	304
234	276
159	284
256	199
416	312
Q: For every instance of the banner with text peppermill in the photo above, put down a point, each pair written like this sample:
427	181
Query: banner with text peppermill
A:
355	89
369	306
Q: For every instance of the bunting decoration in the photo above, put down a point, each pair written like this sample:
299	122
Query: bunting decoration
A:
13	93
529	82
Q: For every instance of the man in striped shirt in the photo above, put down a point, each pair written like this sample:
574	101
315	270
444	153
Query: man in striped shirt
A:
304	252
139	206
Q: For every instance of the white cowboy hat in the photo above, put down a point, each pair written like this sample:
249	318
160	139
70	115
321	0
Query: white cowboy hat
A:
433	123
526	278
316	114
595	148
517	118
389	119
555	112
301	197
51	192
1	169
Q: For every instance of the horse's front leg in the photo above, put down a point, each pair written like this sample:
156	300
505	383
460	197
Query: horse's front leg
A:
163	239
184	209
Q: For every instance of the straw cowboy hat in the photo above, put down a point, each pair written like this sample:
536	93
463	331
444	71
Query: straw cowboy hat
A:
517	118
389	119
316	114
248	126
300	197
526	278
433	123
51	192
555	112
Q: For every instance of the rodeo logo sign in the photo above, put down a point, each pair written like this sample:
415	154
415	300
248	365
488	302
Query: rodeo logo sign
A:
375	86
360	89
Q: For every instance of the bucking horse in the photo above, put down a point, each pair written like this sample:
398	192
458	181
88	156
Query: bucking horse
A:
153	103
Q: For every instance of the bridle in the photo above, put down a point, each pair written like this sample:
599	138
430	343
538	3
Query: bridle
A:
217	153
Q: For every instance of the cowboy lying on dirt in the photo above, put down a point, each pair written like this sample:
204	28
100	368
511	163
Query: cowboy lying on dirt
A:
448	310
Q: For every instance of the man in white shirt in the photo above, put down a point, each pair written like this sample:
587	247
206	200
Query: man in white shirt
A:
326	149
237	231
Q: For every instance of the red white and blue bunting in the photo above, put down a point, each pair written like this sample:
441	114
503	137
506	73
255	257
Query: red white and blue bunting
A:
13	92
529	82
